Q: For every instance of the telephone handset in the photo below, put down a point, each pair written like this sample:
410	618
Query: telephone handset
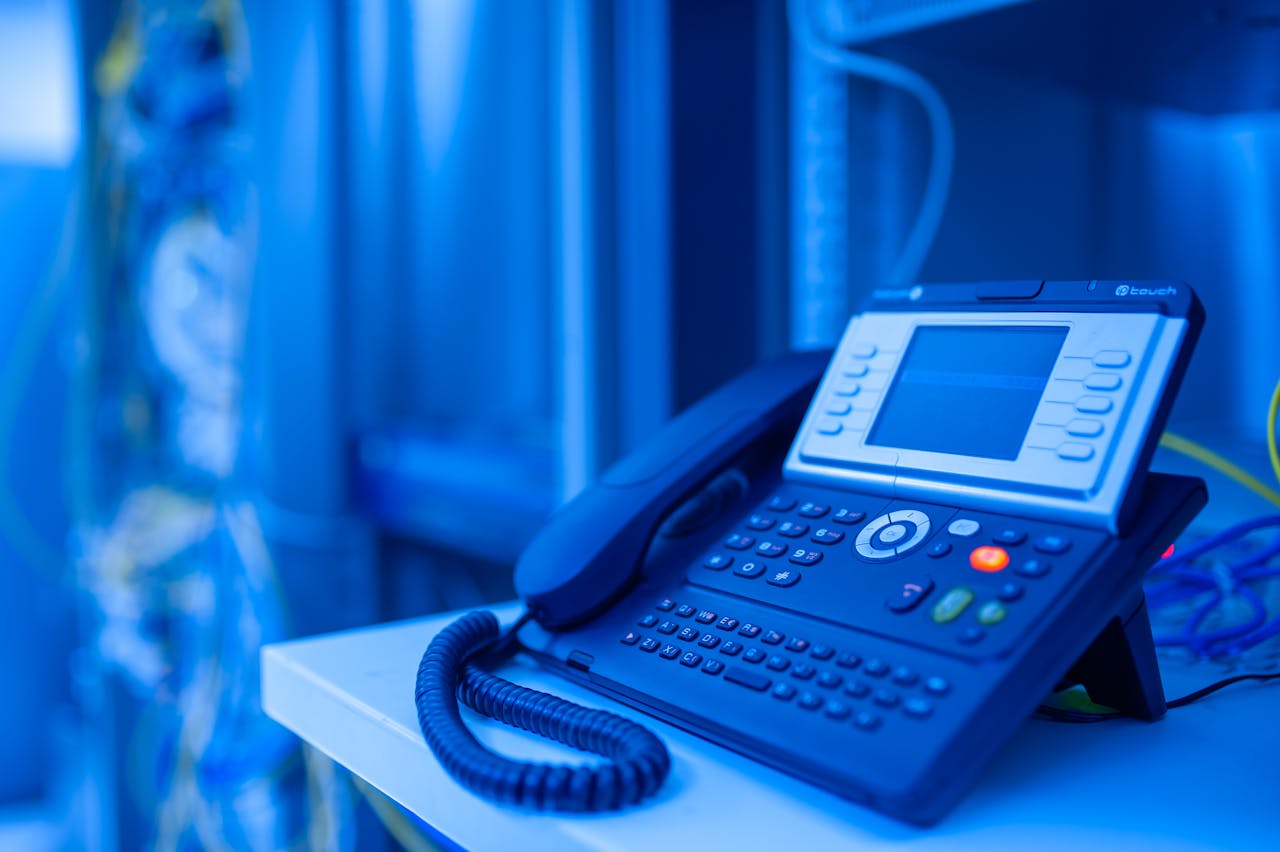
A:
859	568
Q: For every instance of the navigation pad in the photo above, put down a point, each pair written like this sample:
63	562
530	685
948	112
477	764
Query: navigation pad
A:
893	534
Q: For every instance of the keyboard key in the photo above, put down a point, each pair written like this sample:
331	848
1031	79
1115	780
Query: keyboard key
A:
822	652
649	645
783	692
1052	544
885	698
717	562
1010	536
866	720
937	685
666	605
1034	568
709	640
737	541
727	623
771	549
812	510
782	504
837	710
749	630
691	659
938	549
778	664
713	667
747	678
773	637
648	621
705	616
795	643
876	668
830	680
793	529
1009	592
688	634
667	627
904	676
731	648
857	689
685	611
917	708
848	661
750	570
827	536
760	522
845	516
800	556
809	701
785	577
753	655
803	671
631	638
669	652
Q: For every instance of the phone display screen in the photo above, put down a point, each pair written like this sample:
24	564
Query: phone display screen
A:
968	391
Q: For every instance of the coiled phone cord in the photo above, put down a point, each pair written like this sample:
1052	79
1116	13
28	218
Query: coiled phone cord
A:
637	761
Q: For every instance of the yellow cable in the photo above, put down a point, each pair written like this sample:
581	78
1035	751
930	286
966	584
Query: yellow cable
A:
1208	457
1271	431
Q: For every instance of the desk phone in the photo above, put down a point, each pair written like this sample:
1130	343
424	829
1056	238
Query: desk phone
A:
867	568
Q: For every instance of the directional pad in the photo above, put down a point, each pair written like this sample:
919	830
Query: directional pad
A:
893	534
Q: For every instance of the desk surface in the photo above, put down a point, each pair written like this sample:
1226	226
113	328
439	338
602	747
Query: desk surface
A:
1205	777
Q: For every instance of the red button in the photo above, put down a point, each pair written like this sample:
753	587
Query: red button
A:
989	559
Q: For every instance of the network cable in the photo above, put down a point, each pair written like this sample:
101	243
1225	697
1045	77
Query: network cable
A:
912	255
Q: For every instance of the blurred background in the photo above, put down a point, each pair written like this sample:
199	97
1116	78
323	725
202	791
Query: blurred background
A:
312	312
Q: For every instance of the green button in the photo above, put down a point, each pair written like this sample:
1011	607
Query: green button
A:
992	612
952	604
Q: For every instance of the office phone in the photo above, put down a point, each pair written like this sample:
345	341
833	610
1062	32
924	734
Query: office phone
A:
864	568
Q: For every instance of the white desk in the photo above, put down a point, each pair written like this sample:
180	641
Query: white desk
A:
1206	777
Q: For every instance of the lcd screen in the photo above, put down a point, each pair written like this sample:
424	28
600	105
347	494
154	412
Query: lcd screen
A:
968	391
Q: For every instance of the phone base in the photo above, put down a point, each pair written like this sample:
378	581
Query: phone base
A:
1119	669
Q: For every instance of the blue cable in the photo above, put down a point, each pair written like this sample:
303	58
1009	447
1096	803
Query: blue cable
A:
942	154
637	761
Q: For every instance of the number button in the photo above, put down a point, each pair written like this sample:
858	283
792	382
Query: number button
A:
826	536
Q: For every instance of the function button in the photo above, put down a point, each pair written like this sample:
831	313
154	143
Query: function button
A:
837	710
760	522
713	667
953	603
827	426
839	408
917	708
798	645
886	698
866	720
800	556
991	612
709	640
691	659
803	671
785	577
749	630
771	549
727	623
669	652
1053	544
631	638
855	371
812	510
972	635
747	678
1114	358
792	529
731	648
1080	428
845	516
876	668
1093	405
857	689
781	504
964	527
1009	592
649	644
737	541
939	548
809	701
847	387
1010	536
773	637
891	534
827	536
749	569
936	685
688	634
717	561
667	628
778	664
1102	382
904	676
822	652
685	610
666	605
863	350
784	691
989	559
648	621
1033	568
1075	451
705	616
753	655
829	680
848	660
910	594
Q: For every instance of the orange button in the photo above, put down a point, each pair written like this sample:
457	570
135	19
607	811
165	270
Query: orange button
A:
989	558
